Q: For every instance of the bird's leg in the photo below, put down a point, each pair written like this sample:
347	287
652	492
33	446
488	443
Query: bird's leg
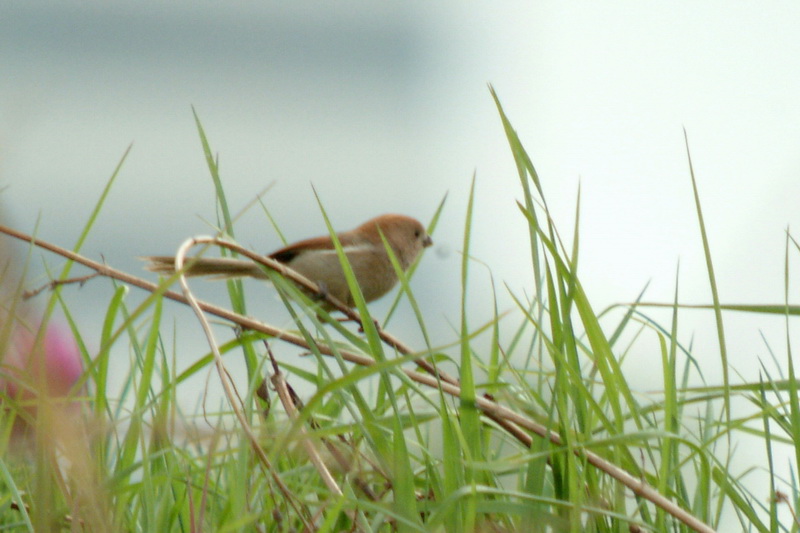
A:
323	294
361	327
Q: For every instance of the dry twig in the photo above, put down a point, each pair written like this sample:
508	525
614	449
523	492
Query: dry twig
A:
511	420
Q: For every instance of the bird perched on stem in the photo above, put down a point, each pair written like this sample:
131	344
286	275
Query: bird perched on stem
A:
316	258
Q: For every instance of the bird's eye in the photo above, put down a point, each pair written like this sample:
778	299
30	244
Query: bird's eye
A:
416	233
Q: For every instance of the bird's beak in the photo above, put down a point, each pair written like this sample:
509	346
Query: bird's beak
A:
427	241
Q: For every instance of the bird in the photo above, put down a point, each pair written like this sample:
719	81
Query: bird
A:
316	258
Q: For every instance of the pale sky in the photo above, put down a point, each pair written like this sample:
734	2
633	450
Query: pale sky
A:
385	108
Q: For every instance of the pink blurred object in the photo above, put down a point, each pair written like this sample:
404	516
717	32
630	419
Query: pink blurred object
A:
54	364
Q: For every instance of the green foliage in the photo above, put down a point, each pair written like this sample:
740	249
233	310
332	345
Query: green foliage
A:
401	454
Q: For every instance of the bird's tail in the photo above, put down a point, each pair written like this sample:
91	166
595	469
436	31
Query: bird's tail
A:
217	267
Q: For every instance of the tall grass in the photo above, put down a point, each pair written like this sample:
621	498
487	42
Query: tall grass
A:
541	429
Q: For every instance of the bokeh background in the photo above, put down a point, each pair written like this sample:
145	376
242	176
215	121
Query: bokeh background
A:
385	108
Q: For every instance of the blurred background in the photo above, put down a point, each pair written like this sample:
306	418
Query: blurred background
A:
385	108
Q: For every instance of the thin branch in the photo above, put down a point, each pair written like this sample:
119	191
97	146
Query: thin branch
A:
486	405
58	282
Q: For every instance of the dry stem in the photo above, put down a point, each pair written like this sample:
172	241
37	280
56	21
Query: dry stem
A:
511	421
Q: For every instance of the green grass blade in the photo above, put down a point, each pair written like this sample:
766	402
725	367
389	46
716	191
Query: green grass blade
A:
712	280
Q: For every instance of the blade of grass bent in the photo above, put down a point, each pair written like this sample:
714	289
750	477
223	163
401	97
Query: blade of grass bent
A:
525	169
668	466
723	352
431	229
81	240
468	413
794	401
235	286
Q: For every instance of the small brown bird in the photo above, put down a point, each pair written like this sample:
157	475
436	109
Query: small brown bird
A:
316	258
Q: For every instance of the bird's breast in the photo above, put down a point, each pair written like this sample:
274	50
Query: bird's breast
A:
373	270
